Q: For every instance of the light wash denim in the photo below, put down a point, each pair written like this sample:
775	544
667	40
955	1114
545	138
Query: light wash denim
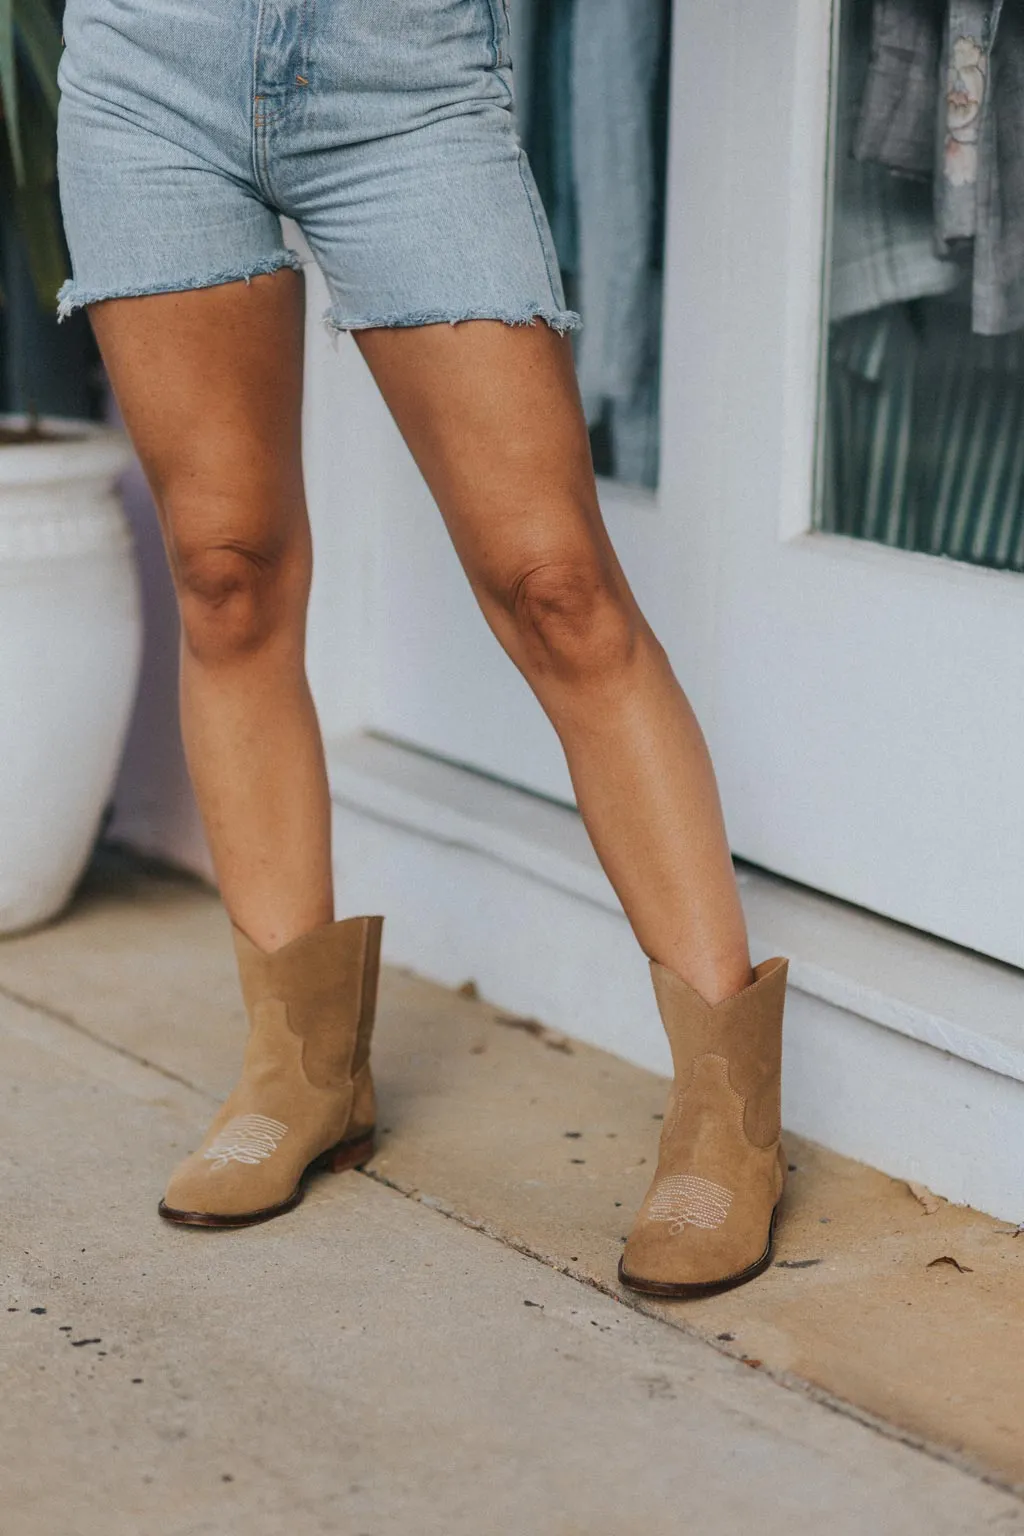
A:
384	128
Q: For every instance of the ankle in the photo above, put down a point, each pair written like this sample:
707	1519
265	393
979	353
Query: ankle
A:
272	932
714	978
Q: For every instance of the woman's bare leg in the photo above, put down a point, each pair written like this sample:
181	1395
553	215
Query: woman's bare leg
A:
493	417
210	387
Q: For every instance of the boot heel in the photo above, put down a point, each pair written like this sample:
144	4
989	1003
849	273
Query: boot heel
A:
350	1154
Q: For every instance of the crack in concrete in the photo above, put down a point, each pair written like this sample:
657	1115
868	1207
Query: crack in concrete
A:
67	1019
788	1380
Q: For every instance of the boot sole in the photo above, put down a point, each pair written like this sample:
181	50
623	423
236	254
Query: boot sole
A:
337	1159
693	1292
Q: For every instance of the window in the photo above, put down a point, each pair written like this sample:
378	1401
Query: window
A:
923	442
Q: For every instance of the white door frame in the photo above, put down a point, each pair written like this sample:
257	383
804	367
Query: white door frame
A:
864	704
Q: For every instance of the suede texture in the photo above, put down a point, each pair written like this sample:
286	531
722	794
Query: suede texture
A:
305	1084
721	1168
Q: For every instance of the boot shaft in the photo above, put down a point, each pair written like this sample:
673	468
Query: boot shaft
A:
745	1030
327	981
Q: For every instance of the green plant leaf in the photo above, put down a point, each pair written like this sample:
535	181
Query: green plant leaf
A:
38	139
39	36
40	228
9	88
35	201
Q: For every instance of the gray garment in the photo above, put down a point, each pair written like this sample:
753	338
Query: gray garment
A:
961	105
999	243
971	100
634	424
549	124
896	124
616	53
883	227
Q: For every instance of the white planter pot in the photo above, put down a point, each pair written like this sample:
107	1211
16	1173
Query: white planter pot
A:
70	644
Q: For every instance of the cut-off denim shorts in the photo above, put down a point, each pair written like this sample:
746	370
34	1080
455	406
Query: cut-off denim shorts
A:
384	128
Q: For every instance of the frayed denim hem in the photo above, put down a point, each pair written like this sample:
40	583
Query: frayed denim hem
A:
560	320
71	297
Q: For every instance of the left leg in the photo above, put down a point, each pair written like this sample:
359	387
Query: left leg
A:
493	417
492	414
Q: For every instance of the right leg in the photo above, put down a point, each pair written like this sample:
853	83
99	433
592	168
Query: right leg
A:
209	383
210	386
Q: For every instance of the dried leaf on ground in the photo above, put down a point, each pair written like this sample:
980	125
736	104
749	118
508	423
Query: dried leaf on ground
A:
925	1197
539	1031
947	1258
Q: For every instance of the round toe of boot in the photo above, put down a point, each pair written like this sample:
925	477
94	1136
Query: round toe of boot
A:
695	1275
226	1219
196	1198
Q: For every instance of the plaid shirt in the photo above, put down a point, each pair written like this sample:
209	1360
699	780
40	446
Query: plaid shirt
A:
943	100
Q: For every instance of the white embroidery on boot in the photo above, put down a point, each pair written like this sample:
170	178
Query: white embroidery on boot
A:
687	1201
246	1139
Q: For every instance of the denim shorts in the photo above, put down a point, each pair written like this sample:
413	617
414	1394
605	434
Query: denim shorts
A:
384	128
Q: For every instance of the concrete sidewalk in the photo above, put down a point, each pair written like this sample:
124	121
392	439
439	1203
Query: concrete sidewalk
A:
372	1367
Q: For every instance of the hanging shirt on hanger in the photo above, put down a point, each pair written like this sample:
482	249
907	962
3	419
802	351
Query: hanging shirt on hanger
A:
943	99
999	242
883	234
596	125
964	74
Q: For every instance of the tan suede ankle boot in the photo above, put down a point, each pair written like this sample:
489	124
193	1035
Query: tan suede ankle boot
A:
708	1222
305	1099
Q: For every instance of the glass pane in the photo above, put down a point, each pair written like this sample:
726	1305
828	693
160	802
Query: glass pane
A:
592	99
924	368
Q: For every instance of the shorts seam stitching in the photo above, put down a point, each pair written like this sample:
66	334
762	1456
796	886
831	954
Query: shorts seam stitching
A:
495	48
520	158
308	18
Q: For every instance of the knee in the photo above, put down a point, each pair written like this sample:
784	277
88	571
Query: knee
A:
573	621
236	594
